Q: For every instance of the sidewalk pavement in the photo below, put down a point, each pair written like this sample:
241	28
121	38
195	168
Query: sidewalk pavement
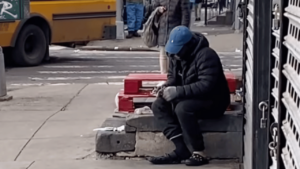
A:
50	127
53	122
221	39
102	164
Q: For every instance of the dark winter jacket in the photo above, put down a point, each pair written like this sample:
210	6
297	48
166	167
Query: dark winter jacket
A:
177	13
202	76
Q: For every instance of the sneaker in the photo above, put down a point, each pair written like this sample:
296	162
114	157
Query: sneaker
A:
196	160
198	19
171	158
135	34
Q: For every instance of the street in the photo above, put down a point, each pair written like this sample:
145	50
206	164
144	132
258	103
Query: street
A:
68	66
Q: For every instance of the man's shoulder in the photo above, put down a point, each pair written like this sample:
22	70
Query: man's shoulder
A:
207	52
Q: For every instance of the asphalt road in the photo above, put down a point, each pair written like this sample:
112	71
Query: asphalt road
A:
73	66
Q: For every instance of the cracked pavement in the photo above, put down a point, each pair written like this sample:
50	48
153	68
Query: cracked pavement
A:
53	122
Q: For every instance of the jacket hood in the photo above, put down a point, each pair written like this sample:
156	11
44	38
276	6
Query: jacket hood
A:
202	42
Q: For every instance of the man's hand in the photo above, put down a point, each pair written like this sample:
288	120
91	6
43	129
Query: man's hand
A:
161	9
170	93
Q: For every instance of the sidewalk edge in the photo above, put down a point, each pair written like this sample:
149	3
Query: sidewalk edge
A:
122	48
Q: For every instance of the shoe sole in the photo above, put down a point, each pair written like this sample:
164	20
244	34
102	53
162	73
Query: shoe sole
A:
174	162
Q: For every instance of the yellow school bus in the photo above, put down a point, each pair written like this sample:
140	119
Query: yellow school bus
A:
55	22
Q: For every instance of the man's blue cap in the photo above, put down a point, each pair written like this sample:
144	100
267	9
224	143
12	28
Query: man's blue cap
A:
179	36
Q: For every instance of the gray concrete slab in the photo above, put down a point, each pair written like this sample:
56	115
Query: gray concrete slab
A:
147	123
15	164
58	149
115	164
114	142
10	149
95	102
18	130
89	114
220	145
68	129
64	136
22	116
43	98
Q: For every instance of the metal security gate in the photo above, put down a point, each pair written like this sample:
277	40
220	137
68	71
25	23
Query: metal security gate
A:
272	84
248	82
274	94
256	80
289	86
285	96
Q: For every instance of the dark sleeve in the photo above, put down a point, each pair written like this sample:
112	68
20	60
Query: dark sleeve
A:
171	80
185	11
209	67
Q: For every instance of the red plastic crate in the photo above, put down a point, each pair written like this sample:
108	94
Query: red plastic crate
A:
126	102
133	89
133	82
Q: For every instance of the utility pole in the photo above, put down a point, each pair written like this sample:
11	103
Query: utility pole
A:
119	20
3	90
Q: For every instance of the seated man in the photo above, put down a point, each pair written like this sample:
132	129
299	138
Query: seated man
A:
196	89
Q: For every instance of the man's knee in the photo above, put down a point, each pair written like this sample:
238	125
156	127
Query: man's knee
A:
187	108
181	109
159	102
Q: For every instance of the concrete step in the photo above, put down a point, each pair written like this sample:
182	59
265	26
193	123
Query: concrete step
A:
143	137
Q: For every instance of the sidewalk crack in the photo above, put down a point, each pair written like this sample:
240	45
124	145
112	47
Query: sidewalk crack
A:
30	164
62	109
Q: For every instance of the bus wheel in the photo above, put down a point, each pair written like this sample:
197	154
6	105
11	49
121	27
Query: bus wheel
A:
31	46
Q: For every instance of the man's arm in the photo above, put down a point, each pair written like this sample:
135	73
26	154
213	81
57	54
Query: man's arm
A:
208	73
185	11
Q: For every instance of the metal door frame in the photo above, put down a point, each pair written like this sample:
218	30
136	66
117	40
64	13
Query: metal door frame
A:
261	79
261	88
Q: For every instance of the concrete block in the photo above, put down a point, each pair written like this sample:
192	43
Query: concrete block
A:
113	142
227	123
147	123
142	123
152	144
218	145
224	145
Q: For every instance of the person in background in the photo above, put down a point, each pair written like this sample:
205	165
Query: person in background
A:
197	4
196	88
222	4
172	13
135	16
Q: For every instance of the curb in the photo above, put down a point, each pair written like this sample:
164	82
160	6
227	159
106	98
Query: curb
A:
123	48
6	98
139	49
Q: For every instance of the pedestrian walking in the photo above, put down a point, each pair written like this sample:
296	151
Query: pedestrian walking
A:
171	13
135	16
197	4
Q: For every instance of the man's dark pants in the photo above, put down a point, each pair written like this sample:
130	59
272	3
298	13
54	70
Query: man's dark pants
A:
182	118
